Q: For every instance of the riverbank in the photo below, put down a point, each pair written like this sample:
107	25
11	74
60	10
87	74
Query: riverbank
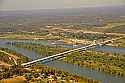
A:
101	61
111	63
36	73
40	73
72	68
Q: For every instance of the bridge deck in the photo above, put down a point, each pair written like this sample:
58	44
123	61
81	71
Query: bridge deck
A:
85	47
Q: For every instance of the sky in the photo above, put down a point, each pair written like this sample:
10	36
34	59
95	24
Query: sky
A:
54	4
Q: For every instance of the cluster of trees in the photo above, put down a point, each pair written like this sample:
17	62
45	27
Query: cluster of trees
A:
5	57
107	62
9	68
46	51
41	49
88	36
42	73
12	70
37	71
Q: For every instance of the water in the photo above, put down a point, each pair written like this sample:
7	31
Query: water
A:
83	71
74	69
111	49
62	44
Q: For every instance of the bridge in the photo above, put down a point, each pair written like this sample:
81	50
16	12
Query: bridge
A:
67	52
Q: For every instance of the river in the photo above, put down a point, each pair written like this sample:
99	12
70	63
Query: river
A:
74	69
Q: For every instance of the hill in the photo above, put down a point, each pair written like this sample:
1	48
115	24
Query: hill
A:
9	57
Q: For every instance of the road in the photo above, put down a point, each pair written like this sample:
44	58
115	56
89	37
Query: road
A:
11	57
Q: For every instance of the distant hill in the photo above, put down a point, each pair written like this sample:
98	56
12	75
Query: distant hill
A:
26	20
106	10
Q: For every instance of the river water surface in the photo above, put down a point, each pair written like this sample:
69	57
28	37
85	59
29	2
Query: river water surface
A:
74	69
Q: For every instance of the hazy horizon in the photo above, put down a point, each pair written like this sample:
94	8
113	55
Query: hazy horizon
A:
55	4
